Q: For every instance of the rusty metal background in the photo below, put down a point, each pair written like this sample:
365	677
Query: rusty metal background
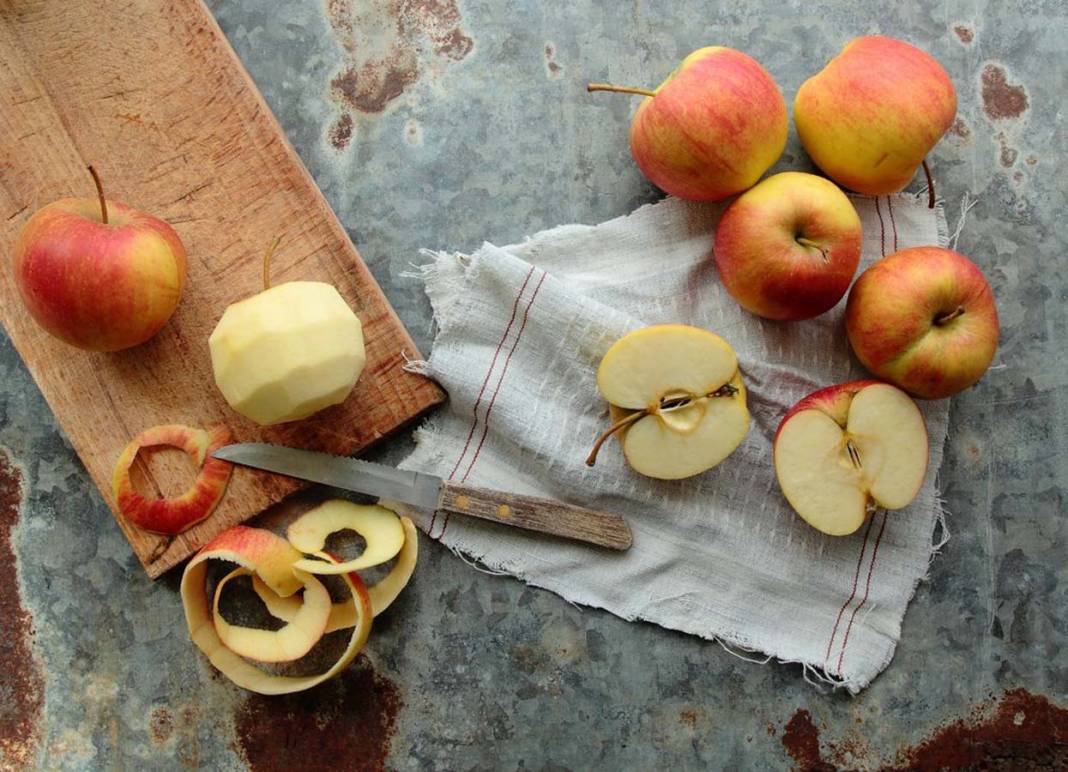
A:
437	123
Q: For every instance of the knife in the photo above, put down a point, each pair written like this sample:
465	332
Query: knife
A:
427	491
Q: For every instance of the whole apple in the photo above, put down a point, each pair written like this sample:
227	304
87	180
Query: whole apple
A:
711	129
788	247
98	274
870	116
924	319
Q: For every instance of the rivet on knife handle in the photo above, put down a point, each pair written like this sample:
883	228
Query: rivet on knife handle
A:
534	514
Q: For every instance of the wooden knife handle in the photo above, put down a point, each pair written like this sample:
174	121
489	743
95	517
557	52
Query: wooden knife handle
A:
534	514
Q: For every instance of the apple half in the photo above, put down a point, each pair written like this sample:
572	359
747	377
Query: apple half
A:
845	450
174	515
676	399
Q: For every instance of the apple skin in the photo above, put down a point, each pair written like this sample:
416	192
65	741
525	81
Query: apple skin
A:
869	117
832	400
765	268
95	286
899	323
714	127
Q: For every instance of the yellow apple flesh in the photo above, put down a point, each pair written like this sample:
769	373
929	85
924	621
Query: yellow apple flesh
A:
676	398
288	352
848	448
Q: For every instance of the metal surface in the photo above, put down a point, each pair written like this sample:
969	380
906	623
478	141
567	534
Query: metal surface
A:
350	474
437	125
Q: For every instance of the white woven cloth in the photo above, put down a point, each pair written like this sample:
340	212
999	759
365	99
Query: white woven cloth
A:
521	330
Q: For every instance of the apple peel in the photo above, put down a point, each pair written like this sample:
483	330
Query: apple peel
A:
264	554
380	528
342	615
174	515
291	642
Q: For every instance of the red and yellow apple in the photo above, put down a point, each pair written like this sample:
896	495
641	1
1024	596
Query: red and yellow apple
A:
98	274
869	117
711	129
846	449
174	515
924	319
788	247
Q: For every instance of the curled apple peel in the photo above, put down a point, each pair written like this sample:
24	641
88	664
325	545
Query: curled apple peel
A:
380	528
174	515
270	557
342	614
291	642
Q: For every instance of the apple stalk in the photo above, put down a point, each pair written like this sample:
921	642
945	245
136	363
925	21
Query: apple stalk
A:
666	405
930	185
100	195
267	262
591	87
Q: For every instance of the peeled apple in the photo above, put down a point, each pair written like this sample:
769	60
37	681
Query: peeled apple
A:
288	352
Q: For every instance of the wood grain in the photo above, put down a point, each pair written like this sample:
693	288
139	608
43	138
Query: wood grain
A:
152	94
534	514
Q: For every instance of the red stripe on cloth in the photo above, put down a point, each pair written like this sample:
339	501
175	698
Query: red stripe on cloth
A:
485	381
497	390
893	225
867	589
853	594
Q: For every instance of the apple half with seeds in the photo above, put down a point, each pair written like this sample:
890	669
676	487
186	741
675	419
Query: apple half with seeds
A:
845	450
676	399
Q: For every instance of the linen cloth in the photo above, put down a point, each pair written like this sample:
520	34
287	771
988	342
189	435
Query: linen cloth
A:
521	331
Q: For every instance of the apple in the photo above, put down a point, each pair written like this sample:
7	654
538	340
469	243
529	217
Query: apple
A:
174	515
870	116
677	400
711	129
788	247
98	274
287	352
847	449
924	319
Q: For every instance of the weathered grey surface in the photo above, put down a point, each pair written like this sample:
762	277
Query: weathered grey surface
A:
495	140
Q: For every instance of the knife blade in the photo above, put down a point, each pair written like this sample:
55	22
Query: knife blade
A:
428	491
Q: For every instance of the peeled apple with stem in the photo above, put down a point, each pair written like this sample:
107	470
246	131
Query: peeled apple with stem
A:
288	352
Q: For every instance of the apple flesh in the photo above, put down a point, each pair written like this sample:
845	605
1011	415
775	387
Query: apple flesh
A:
924	319
288	352
95	283
677	400
174	515
844	450
788	247
711	129
874	112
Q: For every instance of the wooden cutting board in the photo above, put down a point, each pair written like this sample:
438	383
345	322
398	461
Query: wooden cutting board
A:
152	94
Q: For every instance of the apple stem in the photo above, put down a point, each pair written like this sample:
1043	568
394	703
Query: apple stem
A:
620	424
100	195
930	185
947	318
267	262
811	245
591	87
